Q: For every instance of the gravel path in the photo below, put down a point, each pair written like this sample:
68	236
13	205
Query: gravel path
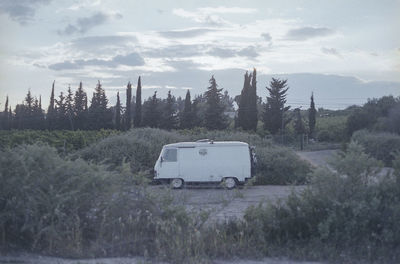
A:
224	205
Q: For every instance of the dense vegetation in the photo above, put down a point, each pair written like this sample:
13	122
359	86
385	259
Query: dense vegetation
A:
382	146
53	205
63	140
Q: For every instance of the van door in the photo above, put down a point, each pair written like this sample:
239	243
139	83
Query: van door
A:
169	168
191	164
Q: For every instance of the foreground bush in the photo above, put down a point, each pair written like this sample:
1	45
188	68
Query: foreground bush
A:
45	200
69	208
347	214
141	148
380	145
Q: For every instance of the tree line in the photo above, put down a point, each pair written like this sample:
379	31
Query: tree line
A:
73	111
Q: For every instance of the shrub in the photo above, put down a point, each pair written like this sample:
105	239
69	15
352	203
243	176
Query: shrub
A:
331	128
139	147
278	165
380	145
346	214
45	200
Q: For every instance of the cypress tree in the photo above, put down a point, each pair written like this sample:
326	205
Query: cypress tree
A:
252	103
69	101
128	110
5	116
187	115
118	114
275	107
214	115
243	110
138	107
10	118
51	110
312	112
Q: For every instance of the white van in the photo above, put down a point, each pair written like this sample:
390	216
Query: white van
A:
230	162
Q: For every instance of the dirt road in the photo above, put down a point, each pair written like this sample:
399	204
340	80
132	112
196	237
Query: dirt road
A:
225	204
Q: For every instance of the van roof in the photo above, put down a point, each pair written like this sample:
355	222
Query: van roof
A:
207	143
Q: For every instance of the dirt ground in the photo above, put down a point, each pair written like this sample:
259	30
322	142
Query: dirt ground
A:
220	203
224	205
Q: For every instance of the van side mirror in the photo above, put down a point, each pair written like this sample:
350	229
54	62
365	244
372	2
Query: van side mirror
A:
161	159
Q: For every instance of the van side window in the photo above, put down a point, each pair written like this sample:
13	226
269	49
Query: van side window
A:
170	155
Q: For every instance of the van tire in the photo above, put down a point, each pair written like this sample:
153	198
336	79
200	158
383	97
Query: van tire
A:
229	183
177	183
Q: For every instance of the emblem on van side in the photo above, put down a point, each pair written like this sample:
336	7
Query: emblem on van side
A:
203	152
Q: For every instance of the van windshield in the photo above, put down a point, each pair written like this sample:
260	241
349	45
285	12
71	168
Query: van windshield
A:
170	155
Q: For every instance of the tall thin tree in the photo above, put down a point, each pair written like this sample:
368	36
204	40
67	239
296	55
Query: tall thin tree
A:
118	113
128	110
187	115
51	109
5	116
312	112
252	101
138	110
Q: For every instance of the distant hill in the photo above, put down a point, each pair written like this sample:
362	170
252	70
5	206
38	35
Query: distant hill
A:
330	91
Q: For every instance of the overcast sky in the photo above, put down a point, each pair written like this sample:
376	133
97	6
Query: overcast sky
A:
178	45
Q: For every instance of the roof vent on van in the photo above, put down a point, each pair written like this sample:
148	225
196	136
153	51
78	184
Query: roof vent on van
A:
206	140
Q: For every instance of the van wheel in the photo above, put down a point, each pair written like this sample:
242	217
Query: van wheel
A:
176	183
229	183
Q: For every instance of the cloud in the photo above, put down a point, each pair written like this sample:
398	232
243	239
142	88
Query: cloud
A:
200	17
84	24
84	4
132	59
95	42
186	33
222	52
331	51
227	53
266	36
306	33
176	51
248	52
227	10
22	11
207	15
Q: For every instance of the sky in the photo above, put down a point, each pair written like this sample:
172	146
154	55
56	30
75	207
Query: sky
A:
342	51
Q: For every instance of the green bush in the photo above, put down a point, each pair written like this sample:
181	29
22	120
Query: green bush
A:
45	200
140	147
380	145
345	215
278	165
331	129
